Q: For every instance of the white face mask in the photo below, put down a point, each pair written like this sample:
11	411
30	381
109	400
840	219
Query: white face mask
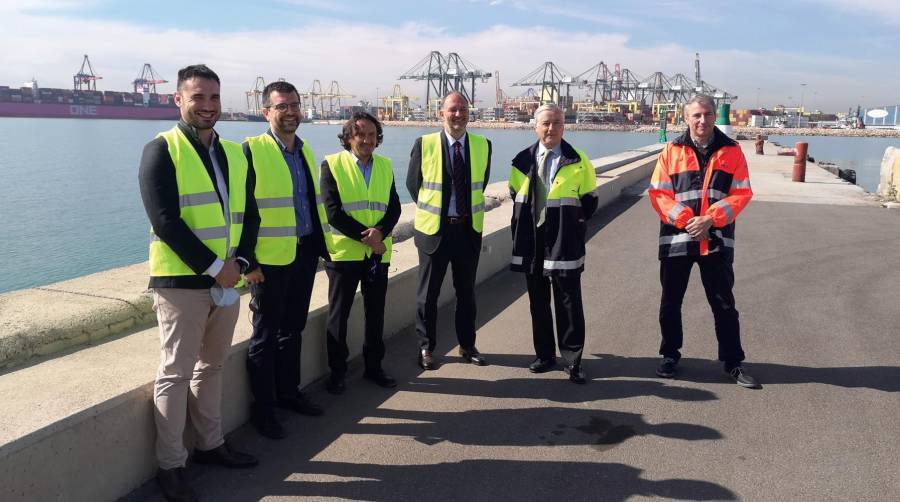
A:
224	297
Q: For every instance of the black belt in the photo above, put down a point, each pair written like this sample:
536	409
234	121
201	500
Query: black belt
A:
457	220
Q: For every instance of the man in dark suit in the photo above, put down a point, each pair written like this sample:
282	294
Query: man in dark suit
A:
362	207
448	171
552	184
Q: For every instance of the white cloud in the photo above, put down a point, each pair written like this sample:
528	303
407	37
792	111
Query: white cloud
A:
367	56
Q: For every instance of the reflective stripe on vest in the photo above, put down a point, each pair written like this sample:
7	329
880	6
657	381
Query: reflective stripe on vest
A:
276	243
430	197
364	203
199	204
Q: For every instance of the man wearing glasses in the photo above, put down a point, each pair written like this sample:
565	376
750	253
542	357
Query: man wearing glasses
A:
288	246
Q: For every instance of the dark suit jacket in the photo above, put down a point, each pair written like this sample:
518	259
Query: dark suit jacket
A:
159	191
429	243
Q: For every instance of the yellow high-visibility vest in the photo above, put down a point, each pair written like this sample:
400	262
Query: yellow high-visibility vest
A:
276	242
365	204
430	198
199	204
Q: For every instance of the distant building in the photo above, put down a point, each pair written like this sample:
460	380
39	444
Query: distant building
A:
886	116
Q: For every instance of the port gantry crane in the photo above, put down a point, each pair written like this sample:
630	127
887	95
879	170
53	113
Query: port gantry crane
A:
444	75
555	84
85	79
622	89
334	96
254	97
147	80
396	106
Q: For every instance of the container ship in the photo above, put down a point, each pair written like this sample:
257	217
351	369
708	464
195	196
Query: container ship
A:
84	101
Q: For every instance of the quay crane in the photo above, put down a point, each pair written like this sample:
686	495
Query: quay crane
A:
555	84
444	75
254	97
334	95
147	80
618	90
85	79
396	106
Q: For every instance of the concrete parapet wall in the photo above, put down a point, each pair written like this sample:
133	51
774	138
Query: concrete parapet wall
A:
46	320
80	426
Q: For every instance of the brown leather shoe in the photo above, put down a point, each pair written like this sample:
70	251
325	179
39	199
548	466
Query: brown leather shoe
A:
473	356
426	360
173	485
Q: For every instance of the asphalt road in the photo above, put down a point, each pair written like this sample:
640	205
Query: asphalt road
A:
819	313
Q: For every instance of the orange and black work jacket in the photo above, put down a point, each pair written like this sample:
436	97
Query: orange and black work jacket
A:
682	188
571	201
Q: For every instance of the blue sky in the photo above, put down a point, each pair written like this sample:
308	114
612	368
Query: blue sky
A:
844	52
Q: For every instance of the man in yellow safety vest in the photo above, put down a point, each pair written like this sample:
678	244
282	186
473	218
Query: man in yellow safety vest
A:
362	207
288	248
194	187
552	184
448	171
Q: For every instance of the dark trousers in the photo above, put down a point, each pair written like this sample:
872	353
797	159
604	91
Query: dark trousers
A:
569	316
717	275
343	278
279	307
455	250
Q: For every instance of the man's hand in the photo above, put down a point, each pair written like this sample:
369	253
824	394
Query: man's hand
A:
255	277
699	226
230	274
379	248
372	237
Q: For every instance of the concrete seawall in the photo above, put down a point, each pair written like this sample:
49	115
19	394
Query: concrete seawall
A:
79	426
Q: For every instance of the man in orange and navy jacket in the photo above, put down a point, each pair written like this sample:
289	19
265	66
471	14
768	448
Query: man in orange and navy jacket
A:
699	187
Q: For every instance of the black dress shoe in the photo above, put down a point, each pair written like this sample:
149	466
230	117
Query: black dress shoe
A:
473	356
542	365
226	457
174	486
380	378
426	360
576	374
336	385
267	425
302	405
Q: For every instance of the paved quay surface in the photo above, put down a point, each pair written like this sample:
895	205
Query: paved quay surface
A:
815	271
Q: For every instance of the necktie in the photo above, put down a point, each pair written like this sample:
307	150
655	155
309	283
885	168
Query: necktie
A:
540	192
459	180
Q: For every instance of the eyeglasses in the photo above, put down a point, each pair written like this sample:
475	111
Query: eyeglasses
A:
283	107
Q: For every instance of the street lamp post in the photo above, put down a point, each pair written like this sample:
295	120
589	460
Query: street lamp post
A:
801	97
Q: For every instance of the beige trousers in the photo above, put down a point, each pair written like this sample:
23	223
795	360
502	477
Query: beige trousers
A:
195	336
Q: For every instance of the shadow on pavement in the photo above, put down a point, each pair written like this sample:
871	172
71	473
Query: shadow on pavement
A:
550	389
883	378
600	429
493	480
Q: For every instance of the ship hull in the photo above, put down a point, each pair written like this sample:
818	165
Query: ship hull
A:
59	110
